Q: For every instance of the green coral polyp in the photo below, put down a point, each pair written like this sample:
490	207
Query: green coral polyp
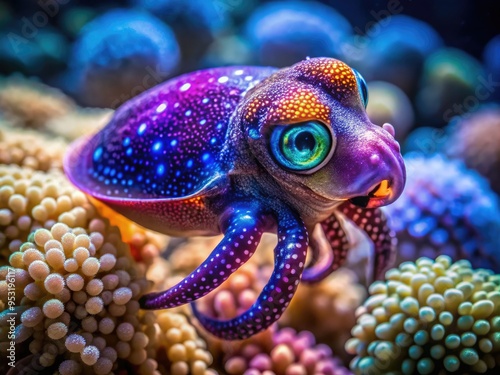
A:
429	317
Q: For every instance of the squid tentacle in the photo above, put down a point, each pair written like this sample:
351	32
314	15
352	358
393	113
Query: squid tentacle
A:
289	255
330	245
374	223
242	235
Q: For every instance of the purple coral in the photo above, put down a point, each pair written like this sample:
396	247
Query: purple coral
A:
475	139
446	209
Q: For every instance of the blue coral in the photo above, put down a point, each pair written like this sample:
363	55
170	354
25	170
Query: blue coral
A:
394	50
446	209
120	54
283	33
448	86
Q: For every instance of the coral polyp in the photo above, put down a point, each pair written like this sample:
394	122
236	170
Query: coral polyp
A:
429	317
456	214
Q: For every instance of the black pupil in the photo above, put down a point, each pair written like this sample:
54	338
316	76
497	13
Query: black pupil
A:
305	141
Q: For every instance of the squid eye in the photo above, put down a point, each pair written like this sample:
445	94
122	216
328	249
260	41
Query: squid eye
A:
362	87
302	148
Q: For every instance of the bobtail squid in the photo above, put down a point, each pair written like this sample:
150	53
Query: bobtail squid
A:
242	151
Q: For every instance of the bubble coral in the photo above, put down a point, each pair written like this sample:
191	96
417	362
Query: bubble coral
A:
394	50
426	140
29	103
120	54
285	352
30	149
491	59
429	317
75	124
79	298
475	139
33	199
327	309
388	103
78	294
283	33
185	350
276	350
456	214
196	23
448	85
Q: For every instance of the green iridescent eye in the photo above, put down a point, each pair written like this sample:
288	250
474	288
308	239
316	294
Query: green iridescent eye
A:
303	147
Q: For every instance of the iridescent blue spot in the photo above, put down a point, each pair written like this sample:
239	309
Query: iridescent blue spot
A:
129	151
126	142
141	129
161	107
130	182
219	126
205	156
203	122
205	100
106	170
189	163
97	153
139	178
188	112
177	174
213	141
160	170
173	142
112	172
157	146
119	175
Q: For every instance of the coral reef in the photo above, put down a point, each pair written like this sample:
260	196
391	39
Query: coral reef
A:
448	85
77	294
456	214
429	317
30	200
83	121
394	51
425	140
327	309
388	103
475	139
28	103
77	285
30	149
276	350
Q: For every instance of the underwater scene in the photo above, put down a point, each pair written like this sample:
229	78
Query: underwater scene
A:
235	187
